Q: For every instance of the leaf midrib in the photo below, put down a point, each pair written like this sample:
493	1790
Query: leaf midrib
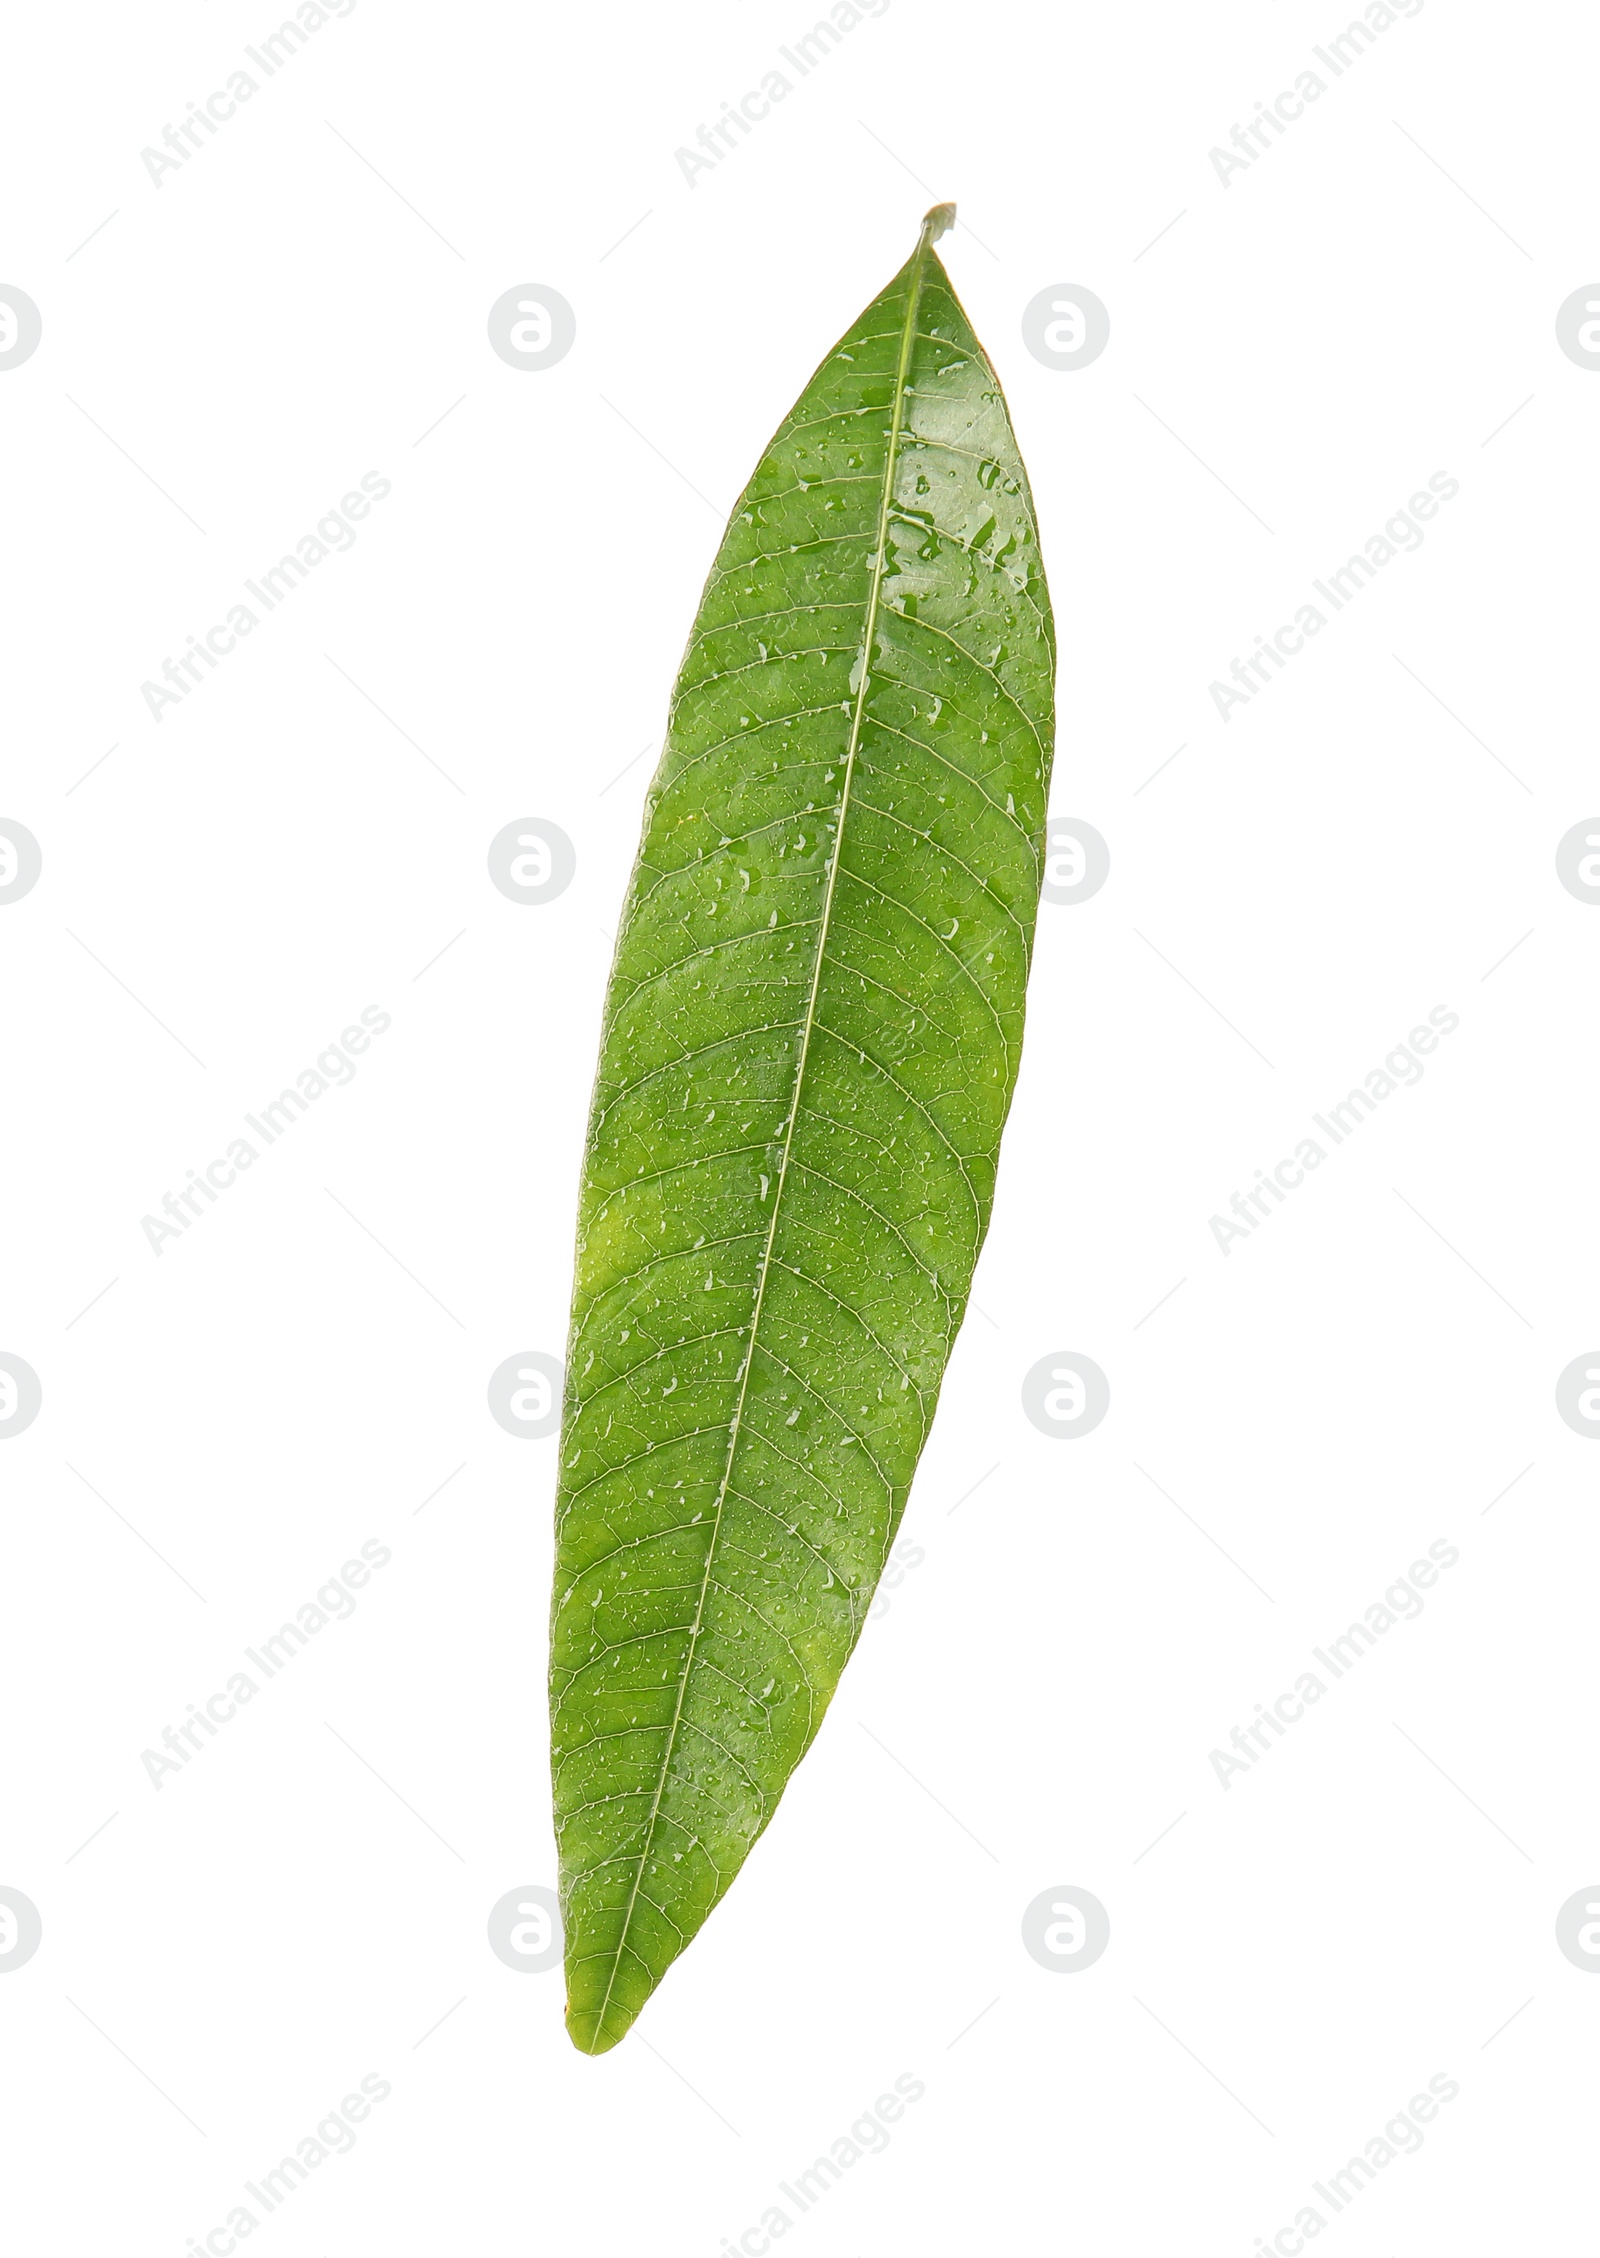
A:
908	338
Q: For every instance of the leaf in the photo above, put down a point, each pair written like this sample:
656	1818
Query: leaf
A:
810	1045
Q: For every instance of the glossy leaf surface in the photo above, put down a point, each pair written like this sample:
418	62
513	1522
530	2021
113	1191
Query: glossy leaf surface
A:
810	1044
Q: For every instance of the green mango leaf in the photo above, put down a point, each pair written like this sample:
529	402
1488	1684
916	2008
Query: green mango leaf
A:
810	1044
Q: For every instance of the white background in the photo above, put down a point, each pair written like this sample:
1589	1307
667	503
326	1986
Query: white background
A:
302	302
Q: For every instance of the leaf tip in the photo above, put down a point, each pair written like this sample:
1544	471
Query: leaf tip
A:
938	222
596	2033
